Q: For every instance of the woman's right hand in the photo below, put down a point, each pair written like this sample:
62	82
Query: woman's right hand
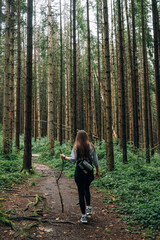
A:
62	156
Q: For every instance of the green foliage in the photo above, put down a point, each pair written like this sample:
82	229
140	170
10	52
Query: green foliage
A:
10	166
134	186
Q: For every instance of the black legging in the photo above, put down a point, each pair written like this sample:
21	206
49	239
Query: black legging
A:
83	182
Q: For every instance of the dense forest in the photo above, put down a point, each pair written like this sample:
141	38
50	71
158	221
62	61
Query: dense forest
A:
61	71
93	65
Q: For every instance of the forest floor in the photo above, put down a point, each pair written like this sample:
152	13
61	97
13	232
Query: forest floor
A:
46	218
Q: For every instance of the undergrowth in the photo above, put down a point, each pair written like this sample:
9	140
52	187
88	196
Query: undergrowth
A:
133	187
10	166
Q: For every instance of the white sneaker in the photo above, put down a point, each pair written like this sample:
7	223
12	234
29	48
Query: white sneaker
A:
83	219
88	210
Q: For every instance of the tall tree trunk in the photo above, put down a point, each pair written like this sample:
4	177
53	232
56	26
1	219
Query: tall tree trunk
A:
22	93
99	76
145	83
123	114
94	124
142	96
35	75
78	89
74	69
84	95
11	100
113	82
156	64
1	78
58	90
66	78
61	77
150	122
89	76
50	84
134	83
118	103
18	103
125	75
103	77
131	95
6	140
38	80
44	104
108	108
27	162
71	77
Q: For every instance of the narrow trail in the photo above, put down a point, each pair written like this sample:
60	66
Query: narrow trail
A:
104	224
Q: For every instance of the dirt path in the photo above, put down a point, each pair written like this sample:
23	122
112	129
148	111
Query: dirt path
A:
60	226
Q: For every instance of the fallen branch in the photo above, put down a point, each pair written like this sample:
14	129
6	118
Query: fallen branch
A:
5	220
57	181
28	196
39	198
32	218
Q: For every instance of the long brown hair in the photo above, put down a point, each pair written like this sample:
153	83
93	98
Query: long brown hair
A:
82	145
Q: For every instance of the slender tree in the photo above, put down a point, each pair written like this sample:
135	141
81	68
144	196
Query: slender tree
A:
50	84
6	129
156	63
35	74
38	80
145	83
89	76
11	71
61	77
1	79
123	114
99	74
134	82
18	103
44	104
71	74
130	72
74	69
108	108
27	162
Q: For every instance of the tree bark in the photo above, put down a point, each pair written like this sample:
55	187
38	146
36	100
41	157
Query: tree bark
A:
156	64
38	80
1	78
50	84
18	103
74	69
123	112
89	76
27	161
44	104
99	76
134	83
6	129
145	84
61	77
11	100
108	108
71	75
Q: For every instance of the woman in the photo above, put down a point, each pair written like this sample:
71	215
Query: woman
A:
83	149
